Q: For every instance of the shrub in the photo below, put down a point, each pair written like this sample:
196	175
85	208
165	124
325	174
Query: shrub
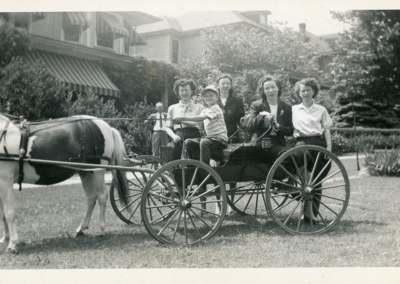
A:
383	163
136	135
30	90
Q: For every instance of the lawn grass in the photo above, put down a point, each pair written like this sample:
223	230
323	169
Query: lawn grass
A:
368	236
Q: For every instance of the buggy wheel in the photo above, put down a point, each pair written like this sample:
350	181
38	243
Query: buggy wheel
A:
318	196
149	161
248	198
128	208
179	202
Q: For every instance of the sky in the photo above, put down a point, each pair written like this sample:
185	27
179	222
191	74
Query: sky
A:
314	13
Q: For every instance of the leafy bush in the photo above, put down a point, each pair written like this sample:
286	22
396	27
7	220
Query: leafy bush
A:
91	104
136	135
383	163
31	91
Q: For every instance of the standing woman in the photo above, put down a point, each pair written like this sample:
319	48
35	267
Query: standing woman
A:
184	89
231	106
312	126
311	121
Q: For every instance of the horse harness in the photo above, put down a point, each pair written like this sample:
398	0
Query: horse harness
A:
23	147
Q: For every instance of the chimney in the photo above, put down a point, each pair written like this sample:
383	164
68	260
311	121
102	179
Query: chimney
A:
302	32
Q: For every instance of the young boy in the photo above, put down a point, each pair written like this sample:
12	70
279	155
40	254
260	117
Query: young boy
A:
216	135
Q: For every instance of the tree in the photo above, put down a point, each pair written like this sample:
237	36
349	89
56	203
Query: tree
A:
13	42
366	68
248	54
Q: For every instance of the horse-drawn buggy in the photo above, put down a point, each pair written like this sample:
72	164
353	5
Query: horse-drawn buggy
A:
304	189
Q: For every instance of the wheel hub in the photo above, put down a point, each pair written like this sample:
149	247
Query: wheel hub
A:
186	204
308	189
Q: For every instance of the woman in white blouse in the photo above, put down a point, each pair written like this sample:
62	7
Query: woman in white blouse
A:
312	124
184	89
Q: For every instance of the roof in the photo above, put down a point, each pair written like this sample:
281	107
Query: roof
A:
321	41
137	18
197	20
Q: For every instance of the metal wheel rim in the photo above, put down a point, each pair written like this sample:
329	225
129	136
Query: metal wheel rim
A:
334	196
130	213
173	216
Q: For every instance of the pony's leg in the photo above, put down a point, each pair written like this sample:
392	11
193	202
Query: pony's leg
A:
102	197
6	236
8	201
87	179
95	189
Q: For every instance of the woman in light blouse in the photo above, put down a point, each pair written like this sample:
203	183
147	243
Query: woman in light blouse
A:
312	124
311	121
184	89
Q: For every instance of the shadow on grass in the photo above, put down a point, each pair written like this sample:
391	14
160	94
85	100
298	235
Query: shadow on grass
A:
88	242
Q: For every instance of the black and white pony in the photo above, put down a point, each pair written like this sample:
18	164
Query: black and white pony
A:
82	139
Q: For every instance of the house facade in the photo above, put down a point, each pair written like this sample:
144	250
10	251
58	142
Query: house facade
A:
72	44
175	39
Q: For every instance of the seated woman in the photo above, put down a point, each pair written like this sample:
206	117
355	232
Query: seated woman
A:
270	111
184	89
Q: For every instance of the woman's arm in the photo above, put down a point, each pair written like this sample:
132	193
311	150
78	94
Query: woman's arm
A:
286	127
327	136
186	119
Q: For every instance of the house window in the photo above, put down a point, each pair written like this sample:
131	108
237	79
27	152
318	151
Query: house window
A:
126	45
105	40
72	33
175	51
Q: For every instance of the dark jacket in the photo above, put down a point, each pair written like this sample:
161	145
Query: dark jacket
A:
284	119
233	112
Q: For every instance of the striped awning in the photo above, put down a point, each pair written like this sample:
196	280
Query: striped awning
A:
38	16
78	74
75	19
134	37
107	23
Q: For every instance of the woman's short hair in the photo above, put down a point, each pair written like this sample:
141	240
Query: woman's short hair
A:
308	82
266	78
224	76
183	83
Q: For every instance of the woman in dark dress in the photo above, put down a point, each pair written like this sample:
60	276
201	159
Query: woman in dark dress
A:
231	106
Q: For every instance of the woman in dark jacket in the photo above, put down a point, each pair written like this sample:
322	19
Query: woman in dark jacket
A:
231	106
270	111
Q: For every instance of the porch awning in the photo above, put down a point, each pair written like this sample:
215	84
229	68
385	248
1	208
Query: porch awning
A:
38	16
78	74
107	23
75	19
134	37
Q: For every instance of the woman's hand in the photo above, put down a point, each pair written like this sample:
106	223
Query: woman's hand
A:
265	113
176	138
329	148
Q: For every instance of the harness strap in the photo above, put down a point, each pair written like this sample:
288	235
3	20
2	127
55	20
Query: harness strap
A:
4	134
23	146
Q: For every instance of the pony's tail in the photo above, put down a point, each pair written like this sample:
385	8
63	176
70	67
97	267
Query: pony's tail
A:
119	177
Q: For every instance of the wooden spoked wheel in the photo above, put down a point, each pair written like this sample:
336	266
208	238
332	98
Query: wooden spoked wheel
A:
129	210
248	198
318	196
180	200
